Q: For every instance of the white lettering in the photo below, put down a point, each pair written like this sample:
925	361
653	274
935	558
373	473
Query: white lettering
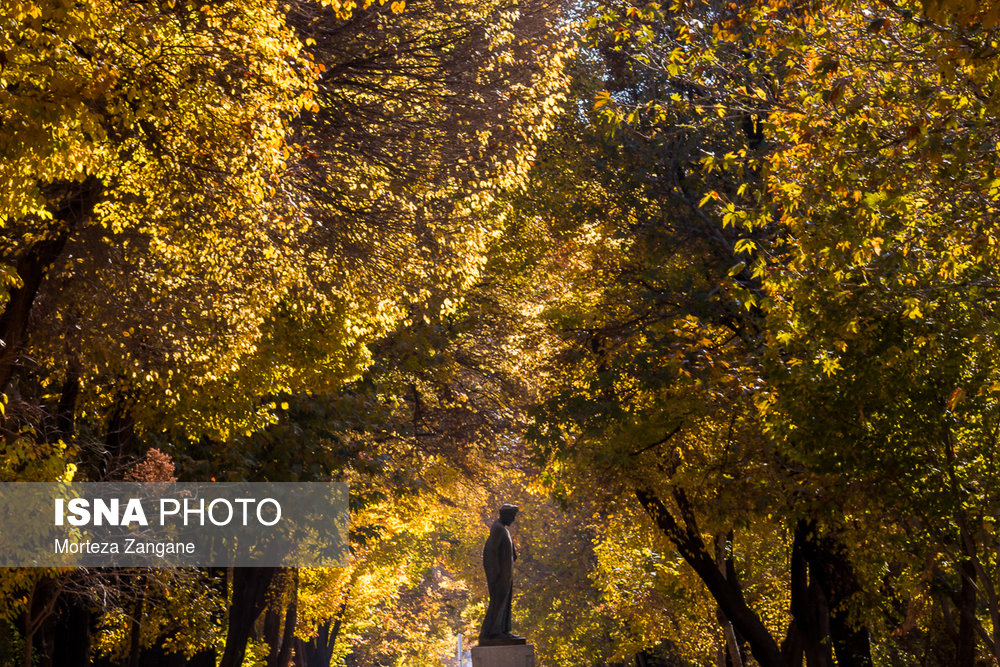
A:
80	509
200	511
88	547
211	514
244	502
134	513
163	509
103	511
277	511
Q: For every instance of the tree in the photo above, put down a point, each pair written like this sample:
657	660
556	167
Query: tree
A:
216	212
785	141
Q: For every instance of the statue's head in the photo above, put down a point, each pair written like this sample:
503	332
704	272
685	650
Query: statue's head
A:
507	514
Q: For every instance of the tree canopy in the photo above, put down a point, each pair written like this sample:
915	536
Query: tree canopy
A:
708	288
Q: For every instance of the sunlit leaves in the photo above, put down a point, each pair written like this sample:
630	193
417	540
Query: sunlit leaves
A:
252	196
841	159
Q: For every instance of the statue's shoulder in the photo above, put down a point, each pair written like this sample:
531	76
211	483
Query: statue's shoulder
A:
498	531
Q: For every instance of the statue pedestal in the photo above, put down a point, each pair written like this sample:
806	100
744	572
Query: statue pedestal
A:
516	655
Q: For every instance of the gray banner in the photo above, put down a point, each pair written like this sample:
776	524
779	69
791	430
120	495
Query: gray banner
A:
123	524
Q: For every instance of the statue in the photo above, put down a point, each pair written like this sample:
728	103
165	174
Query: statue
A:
499	555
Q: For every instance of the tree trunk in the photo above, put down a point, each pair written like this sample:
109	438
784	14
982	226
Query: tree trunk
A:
118	441
203	659
156	656
71	631
65	422
793	647
727	594
982	583
250	585
731	656
272	631
291	617
41	604
810	610
135	629
219	581
965	654
74	207
318	652
832	572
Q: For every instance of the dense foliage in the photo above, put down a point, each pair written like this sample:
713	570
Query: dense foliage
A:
708	288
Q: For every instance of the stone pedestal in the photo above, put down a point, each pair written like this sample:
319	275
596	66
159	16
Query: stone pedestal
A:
518	655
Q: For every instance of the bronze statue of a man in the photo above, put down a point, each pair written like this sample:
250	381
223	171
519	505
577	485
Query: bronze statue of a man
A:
499	555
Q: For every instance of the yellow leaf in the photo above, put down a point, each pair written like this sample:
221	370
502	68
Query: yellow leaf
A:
955	398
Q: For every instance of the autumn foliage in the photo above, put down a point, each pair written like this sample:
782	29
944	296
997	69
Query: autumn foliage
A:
709	287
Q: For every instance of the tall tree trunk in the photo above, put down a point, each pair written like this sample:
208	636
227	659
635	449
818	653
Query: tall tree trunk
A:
157	656
810	611
250	586
65	421
318	652
291	618
687	539
731	656
985	586
970	570
793	646
272	631
135	628
119	439
76	204
830	569
41	604
204	658
71	631
31	268
219	581
965	654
